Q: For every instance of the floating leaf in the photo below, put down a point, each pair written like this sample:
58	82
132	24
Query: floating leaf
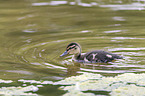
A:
129	90
80	78
128	84
18	91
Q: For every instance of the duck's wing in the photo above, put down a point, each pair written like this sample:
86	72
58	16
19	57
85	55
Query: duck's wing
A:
100	56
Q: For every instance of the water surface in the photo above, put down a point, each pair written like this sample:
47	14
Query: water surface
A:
34	33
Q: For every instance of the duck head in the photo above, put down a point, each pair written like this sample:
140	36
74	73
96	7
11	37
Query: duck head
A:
72	48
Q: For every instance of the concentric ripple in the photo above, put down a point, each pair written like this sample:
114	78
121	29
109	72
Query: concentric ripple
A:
43	58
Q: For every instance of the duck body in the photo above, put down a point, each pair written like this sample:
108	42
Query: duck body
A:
97	56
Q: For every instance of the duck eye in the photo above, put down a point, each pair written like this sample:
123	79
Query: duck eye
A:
75	48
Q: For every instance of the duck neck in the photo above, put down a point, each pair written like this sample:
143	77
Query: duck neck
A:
78	54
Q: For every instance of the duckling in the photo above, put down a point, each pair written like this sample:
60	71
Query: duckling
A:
96	56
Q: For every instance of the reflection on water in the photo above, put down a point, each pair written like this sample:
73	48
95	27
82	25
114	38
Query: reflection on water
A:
118	5
56	3
113	31
118	49
133	6
29	31
35	33
126	38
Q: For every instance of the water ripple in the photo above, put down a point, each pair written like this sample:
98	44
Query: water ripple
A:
45	55
120	49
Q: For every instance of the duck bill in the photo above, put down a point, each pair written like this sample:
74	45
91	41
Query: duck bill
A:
65	53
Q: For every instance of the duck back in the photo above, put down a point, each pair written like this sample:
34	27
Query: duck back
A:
100	57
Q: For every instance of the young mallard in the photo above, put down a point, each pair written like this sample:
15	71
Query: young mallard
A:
90	57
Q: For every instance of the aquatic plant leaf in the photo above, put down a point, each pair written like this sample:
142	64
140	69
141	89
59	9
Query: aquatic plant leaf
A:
79	93
18	91
80	78
129	90
35	82
128	84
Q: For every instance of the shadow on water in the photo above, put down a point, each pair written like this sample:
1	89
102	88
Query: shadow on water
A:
35	33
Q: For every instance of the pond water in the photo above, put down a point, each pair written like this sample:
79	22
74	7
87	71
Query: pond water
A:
35	33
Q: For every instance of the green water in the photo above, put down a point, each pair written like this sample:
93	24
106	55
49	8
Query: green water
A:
34	33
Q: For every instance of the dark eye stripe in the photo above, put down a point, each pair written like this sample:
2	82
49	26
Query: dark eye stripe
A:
71	48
